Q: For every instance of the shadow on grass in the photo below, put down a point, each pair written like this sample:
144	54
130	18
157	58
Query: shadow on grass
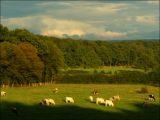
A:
72	112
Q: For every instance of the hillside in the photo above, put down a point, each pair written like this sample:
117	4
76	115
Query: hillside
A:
29	58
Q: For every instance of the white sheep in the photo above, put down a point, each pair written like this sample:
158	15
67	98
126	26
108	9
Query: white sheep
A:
116	97
151	98
55	90
111	99
95	92
3	93
47	102
91	98
51	101
109	103
43	102
69	100
100	101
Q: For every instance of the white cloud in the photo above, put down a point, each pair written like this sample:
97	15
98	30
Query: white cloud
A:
153	2
133	31
85	6
101	8
110	35
51	3
146	19
59	27
110	8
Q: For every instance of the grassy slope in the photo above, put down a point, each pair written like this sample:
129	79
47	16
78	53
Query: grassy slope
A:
26	99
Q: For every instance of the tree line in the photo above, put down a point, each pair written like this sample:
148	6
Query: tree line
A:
29	58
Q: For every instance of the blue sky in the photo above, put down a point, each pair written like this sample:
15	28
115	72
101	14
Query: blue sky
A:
101	20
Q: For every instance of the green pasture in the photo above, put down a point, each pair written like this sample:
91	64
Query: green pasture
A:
104	69
130	107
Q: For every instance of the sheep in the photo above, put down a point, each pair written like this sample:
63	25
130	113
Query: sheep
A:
116	97
100	101
44	102
3	93
95	92
151	98
91	98
51	102
55	90
111	99
69	100
109	103
47	102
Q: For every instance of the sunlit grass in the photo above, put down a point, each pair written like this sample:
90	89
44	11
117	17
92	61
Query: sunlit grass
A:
80	92
105	69
31	96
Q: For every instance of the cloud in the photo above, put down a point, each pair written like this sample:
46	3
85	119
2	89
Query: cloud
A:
50	26
51	3
85	6
100	8
110	8
146	19
153	2
110	34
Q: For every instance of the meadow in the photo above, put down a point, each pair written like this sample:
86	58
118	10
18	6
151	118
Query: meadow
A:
130	107
107	75
102	69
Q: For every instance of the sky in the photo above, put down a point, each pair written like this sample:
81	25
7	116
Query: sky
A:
91	20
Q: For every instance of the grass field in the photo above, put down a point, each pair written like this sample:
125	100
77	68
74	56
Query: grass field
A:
130	107
105	69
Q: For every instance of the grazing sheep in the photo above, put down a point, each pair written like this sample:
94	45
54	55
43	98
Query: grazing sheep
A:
95	92
69	100
100	101
91	98
3	93
47	102
151	98
14	110
44	102
111	99
55	90
116	97
109	103
51	102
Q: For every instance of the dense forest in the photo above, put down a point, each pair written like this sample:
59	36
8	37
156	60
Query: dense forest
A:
29	58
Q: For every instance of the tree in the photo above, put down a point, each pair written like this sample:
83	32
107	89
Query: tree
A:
20	63
53	60
35	62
